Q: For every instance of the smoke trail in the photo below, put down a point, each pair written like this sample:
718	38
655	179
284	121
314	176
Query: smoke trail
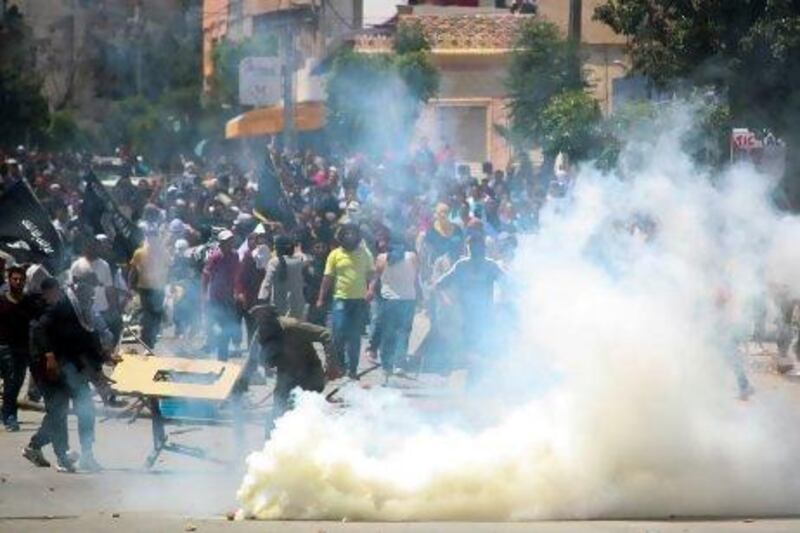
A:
634	296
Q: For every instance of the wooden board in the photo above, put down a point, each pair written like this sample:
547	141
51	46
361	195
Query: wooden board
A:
140	374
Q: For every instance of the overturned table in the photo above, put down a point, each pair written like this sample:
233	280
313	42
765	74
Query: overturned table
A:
153	379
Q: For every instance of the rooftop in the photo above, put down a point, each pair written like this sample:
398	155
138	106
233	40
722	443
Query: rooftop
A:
461	30
450	33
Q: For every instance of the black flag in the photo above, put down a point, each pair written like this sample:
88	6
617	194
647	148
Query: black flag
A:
101	213
271	202
26	231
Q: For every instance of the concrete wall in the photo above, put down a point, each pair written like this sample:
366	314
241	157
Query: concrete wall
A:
592	31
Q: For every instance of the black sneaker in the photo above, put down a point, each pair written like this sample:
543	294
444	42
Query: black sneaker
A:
35	456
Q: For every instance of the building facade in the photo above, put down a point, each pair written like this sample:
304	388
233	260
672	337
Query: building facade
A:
307	29
70	34
471	45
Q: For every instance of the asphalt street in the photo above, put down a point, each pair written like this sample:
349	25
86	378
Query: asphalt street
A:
186	494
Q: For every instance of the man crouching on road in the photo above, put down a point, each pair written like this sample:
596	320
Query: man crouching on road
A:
288	346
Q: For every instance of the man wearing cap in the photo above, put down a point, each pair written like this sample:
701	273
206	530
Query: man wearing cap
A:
149	268
219	278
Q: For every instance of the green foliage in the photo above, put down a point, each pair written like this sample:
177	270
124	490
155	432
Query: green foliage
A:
709	140
631	121
749	50
420	76
569	124
63	132
543	66
23	109
410	38
388	87
168	117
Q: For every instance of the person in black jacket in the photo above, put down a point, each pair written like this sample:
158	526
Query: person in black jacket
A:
17	309
65	341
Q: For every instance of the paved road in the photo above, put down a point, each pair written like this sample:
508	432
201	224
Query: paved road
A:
135	522
182	493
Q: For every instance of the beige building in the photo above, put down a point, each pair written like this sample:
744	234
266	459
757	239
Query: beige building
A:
472	47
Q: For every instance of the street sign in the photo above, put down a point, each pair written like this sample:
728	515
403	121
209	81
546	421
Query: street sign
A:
744	139
260	81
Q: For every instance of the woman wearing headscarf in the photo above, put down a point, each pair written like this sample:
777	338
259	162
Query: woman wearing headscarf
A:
442	236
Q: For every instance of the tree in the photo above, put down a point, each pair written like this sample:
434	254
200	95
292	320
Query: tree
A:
373	100
569	124
748	50
23	109
63	132
543	65
167	118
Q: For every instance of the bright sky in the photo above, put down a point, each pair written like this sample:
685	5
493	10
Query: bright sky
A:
377	11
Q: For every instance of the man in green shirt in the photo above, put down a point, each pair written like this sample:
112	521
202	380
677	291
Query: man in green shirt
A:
348	272
288	346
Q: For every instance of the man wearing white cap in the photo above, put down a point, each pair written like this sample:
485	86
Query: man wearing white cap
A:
219	277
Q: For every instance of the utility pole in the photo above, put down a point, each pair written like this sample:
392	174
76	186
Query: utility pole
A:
138	27
287	71
575	16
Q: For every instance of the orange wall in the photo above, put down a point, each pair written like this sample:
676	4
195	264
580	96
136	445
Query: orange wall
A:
215	25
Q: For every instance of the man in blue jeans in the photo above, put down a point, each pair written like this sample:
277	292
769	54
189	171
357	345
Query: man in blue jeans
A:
348	272
68	355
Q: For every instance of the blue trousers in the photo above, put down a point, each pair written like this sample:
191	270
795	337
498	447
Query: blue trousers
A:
348	318
397	317
223	321
72	385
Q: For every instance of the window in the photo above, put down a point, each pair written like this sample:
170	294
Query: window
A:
464	127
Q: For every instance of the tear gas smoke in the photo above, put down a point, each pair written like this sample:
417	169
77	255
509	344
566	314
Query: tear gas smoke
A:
618	396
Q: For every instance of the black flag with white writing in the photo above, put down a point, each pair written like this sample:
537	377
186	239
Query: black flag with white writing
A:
100	212
271	201
26	231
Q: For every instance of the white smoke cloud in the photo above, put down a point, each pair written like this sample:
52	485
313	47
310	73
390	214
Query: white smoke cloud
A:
626	357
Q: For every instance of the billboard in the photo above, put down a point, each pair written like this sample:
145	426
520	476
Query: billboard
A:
260	81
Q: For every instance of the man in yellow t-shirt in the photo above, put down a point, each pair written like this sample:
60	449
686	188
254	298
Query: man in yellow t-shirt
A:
348	271
148	275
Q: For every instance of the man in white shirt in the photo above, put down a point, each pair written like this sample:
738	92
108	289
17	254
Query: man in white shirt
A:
91	261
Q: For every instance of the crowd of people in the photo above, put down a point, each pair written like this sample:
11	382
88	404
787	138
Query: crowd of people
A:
358	246
352	253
